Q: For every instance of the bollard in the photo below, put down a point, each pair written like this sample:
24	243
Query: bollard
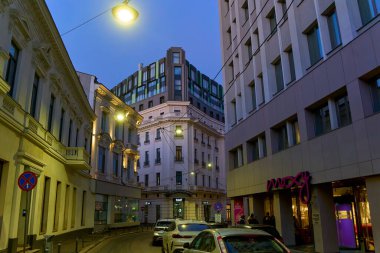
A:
59	247
82	243
76	245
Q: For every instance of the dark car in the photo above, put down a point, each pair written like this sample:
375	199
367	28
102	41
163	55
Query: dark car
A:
267	228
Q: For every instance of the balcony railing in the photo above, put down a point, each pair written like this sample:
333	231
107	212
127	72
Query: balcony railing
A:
77	157
158	161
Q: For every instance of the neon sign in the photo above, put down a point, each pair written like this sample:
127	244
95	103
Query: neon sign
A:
301	181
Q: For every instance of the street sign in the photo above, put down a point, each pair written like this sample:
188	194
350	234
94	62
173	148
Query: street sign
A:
218	206
27	181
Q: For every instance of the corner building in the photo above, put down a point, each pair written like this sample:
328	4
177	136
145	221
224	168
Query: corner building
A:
181	165
45	128
302	81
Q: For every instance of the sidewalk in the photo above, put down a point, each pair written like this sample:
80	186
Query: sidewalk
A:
85	242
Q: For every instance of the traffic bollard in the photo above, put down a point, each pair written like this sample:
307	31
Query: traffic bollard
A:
59	247
76	245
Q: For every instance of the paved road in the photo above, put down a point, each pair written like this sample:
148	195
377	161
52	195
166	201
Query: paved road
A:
128	243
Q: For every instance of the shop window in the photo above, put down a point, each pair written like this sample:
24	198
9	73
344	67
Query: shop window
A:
101	205
125	210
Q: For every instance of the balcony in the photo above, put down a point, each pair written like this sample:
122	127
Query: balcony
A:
77	158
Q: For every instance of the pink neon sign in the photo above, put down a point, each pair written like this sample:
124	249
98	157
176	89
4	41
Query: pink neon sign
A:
301	181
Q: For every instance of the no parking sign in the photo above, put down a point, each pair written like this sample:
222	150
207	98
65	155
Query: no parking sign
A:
27	181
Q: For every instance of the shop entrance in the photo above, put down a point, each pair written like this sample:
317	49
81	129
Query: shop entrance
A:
353	218
178	208
302	220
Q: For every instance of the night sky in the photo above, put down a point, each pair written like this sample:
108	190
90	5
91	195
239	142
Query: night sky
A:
112	52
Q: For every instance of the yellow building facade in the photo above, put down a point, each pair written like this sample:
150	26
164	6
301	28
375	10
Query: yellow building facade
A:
45	127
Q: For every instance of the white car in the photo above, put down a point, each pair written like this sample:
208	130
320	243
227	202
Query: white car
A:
235	240
182	231
160	228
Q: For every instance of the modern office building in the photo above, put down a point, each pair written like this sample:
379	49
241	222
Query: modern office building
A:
45	128
302	81
180	139
114	159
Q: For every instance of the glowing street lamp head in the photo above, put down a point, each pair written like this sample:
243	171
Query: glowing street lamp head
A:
178	131
120	116
125	13
209	165
192	173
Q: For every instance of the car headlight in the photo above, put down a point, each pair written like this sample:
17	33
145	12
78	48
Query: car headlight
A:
155	233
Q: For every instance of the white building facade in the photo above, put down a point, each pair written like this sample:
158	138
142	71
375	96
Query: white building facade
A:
302	102
181	164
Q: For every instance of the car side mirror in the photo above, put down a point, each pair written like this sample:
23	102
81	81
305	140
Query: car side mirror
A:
186	245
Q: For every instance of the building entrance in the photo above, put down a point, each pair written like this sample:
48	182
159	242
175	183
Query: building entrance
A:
353	218
178	208
301	218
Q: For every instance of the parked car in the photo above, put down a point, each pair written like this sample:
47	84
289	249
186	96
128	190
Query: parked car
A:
235	240
217	225
267	228
159	229
180	232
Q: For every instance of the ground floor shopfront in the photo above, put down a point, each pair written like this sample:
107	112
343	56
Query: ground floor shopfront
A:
198	206
116	205
339	215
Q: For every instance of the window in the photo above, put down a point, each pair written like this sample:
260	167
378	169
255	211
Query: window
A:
196	156
279	77
158	178
375	91
203	181
178	131
145	76
101	159
209	181
152	89
333	25
196	179
66	208
74	207
141	107
368	9
51	110
69	135
158	155
76	137
146	137
119	130
314	43
138	139
162	68
203	159
83	213
178	177
101	204
248	46
291	64
229	37
217	183
162	100
158	134
115	164
322	120
61	124
45	205
146	180
237	157
282	138
343	111
146	162
272	21
152	71
177	83
252	89
178	153
103	124
12	66
33	102
245	11
253	150
150	104
176	58
257	41
57	206
296	138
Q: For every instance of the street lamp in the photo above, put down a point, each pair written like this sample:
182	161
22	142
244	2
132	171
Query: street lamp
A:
125	13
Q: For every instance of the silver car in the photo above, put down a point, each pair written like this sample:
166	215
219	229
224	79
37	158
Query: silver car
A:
160	228
183	231
235	240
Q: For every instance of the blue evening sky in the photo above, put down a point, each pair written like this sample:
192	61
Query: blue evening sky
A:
112	52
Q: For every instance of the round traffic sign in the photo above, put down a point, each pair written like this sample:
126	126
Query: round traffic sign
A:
27	181
218	206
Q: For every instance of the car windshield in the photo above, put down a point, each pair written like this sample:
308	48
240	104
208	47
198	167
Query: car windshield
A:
192	227
252	244
163	223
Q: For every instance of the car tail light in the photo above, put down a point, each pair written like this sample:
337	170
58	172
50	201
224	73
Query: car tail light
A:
221	245
181	236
